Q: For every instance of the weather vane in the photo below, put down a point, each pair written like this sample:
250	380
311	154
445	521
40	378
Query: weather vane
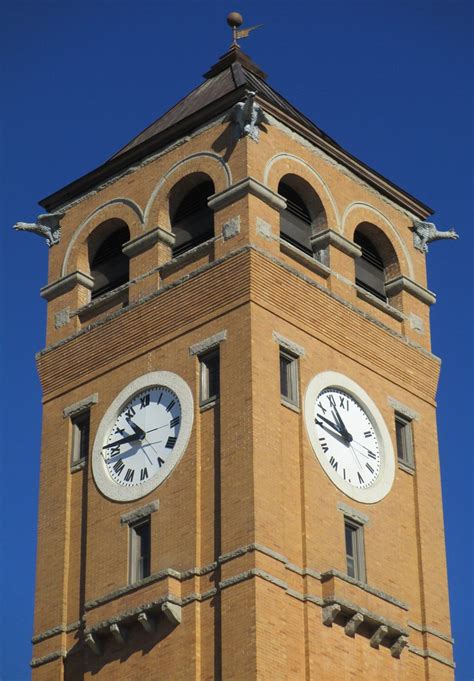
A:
234	19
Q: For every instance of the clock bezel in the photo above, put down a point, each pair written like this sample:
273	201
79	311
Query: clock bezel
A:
111	489
383	484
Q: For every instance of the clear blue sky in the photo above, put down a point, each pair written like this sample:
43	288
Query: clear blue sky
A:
389	80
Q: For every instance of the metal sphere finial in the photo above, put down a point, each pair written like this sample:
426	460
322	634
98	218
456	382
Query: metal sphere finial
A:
234	19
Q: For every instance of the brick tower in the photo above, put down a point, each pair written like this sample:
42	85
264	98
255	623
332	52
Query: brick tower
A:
239	473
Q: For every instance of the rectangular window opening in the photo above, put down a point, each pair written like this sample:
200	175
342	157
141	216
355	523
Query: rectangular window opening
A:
209	370
355	556
140	549
80	436
289	378
403	431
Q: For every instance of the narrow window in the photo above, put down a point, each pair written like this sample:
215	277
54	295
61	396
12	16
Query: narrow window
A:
140	546
295	220
192	221
404	440
370	270
355	559
288	378
209	368
80	436
110	267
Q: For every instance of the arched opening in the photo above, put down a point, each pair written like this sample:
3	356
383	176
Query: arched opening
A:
192	221
109	266
304	213
377	262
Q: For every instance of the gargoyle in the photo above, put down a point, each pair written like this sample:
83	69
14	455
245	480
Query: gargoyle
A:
247	116
46	225
424	232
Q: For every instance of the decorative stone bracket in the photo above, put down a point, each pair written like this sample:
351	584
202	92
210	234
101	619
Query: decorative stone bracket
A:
377	627
117	626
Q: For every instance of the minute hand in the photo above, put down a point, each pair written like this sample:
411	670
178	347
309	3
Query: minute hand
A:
129	438
330	423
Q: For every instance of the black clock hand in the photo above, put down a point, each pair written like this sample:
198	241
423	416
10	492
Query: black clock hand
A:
330	423
337	435
129	438
342	427
139	433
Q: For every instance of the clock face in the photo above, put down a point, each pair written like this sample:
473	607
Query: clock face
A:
142	436
349	437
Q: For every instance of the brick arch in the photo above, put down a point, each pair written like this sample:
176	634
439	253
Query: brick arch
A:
206	162
126	210
360	212
287	164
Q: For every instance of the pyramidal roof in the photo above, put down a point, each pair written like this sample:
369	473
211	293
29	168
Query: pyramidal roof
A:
225	84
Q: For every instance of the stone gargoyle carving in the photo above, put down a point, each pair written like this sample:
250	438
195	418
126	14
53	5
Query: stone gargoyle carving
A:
46	225
424	232
247	116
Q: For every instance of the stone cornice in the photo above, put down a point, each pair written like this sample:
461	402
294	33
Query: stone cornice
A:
65	284
402	283
248	185
330	237
145	241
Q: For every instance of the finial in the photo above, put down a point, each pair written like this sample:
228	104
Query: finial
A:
234	19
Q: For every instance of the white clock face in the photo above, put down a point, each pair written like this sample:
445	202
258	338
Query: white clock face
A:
142	436
349	437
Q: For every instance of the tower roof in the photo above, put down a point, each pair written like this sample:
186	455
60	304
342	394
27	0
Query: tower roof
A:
225	84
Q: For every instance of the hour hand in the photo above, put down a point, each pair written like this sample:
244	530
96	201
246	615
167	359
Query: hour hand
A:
139	433
341	427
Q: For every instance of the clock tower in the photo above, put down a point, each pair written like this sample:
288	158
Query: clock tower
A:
239	470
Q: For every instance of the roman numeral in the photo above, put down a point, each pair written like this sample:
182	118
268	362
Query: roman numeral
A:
170	443
114	450
332	401
320	406
368	433
361	479
129	475
323	442
333	463
144	401
171	405
344	402
143	474
119	466
344	473
160	461
121	431
371	454
174	422
130	412
159	399
367	465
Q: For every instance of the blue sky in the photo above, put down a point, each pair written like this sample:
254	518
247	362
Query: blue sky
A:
390	81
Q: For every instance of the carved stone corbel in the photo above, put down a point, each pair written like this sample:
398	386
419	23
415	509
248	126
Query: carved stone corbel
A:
93	644
379	635
330	612
353	624
172	612
397	648
118	633
147	622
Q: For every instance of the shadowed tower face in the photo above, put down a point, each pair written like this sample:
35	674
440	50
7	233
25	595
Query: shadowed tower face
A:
239	472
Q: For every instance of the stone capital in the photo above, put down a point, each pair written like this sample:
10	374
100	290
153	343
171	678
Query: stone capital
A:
65	284
248	185
327	237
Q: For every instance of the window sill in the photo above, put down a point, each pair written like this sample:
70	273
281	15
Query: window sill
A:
408	468
205	406
78	466
379	304
187	256
290	405
102	303
304	259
